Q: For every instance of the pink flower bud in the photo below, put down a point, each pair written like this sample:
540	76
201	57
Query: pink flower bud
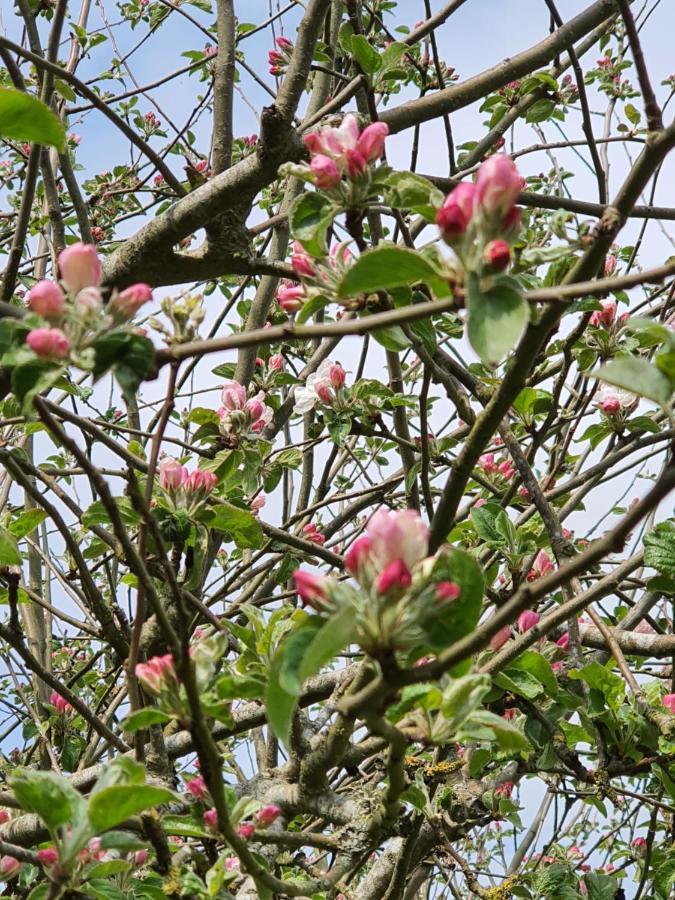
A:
542	565
197	787
233	396
88	302
9	867
246	831
336	375
48	856
310	587
487	463
291	298
48	343
157	674
370	144
454	216
356	163
284	43
126	304
80	267
4	816
301	261
255	408
604	316
210	819
46	299
639	843
397	535
200	481
59	703
669	702
258	503
448	590
267	815
497	255
395	575
171	473
357	554
274	58
498	640
140	857
564	641
324	392
610	266
505	469
325	173
504	790
611	406
497	186
527	619
275	363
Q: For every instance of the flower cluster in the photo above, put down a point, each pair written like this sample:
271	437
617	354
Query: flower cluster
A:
616	404
344	151
401	587
74	305
325	387
278	59
480	220
186	490
317	278
241	415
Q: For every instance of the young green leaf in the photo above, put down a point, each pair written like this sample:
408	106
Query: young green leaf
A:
25	118
497	318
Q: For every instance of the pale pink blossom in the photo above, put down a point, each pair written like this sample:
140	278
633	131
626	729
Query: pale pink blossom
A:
310	587
197	787
497	186
157	674
267	815
542	565
500	638
171	473
233	396
397	534
47	299
325	173
668	701
48	343
9	867
126	304
200	481
527	619
604	316
80	267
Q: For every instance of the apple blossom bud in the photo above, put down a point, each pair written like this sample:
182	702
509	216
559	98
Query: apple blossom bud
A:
47	299
200	481
527	619
356	164
246	831
48	856
336	375
157	674
126	304
197	787
291	298
4	816
669	702
324	392
604	316
48	343
171	473
140	857
9	867
497	255
88	301
610	266
80	267
210	819
370	144
59	703
395	575
258	503
233	396
284	43
357	554
497	186
498	640
563	641
275	363
454	216
267	815
325	173
448	590
310	587
611	406
301	261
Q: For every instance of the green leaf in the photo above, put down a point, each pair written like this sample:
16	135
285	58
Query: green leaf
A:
539	667
279	704
25	118
484	520
143	718
404	190
112	805
334	635
309	217
32	378
540	111
504	733
392	338
9	552
50	796
600	886
632	114
130	356
97	514
26	522
366	55
639	377
455	619
240	524
660	549
497	318
462	697
520	683
385	267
